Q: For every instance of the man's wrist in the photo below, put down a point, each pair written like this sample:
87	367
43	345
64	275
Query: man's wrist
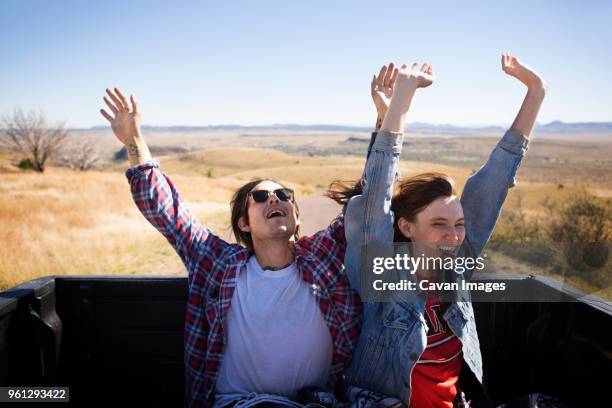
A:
136	138
138	151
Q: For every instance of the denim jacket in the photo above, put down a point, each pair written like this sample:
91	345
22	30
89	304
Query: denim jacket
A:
393	335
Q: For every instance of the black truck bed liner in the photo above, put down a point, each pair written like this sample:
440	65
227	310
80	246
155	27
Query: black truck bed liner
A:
118	341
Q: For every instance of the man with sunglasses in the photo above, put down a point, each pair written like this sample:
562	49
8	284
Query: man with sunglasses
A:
264	318
283	194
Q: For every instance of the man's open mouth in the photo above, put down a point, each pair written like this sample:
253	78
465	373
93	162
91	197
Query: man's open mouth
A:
276	213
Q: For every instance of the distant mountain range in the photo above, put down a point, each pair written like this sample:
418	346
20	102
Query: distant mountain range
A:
553	127
558	126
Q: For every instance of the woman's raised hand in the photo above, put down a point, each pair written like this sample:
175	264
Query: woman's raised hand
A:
416	77
536	91
408	81
513	67
382	88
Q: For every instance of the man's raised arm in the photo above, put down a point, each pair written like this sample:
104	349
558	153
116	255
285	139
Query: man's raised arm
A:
154	193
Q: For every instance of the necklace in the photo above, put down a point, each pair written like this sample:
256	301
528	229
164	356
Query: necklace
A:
278	268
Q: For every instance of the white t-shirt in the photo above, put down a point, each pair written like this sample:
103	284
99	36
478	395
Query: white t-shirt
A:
277	339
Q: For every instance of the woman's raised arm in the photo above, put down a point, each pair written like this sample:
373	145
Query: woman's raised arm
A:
486	190
536	90
369	218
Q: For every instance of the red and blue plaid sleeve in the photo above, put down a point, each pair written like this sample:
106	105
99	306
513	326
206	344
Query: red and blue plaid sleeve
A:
327	240
160	202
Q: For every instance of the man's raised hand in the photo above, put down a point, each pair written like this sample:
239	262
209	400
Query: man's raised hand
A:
125	120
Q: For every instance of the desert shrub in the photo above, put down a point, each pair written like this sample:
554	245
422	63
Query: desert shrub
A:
583	229
25	164
582	219
516	226
571	241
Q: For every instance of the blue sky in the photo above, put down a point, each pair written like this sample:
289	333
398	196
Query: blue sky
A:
258	62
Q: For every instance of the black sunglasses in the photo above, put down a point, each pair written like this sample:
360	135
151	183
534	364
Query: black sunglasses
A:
283	194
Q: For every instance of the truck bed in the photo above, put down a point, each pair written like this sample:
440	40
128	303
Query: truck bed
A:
118	340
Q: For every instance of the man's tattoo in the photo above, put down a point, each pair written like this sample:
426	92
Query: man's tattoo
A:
133	149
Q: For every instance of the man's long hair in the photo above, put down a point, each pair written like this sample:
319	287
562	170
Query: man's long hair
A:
240	208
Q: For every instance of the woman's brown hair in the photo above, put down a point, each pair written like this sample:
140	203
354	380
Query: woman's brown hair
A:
411	195
415	193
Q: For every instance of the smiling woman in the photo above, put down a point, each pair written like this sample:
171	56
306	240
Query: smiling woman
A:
427	212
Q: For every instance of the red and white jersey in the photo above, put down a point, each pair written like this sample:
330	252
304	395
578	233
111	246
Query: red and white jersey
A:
435	375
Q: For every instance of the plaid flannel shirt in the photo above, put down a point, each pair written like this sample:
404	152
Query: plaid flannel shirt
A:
213	267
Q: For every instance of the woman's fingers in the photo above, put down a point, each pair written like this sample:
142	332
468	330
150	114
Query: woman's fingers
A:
394	77
106	115
381	74
508	60
388	75
115	99
110	105
380	81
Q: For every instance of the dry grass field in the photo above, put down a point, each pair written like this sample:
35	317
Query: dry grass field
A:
64	222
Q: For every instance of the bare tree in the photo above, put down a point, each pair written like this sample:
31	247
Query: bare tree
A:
30	134
82	154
